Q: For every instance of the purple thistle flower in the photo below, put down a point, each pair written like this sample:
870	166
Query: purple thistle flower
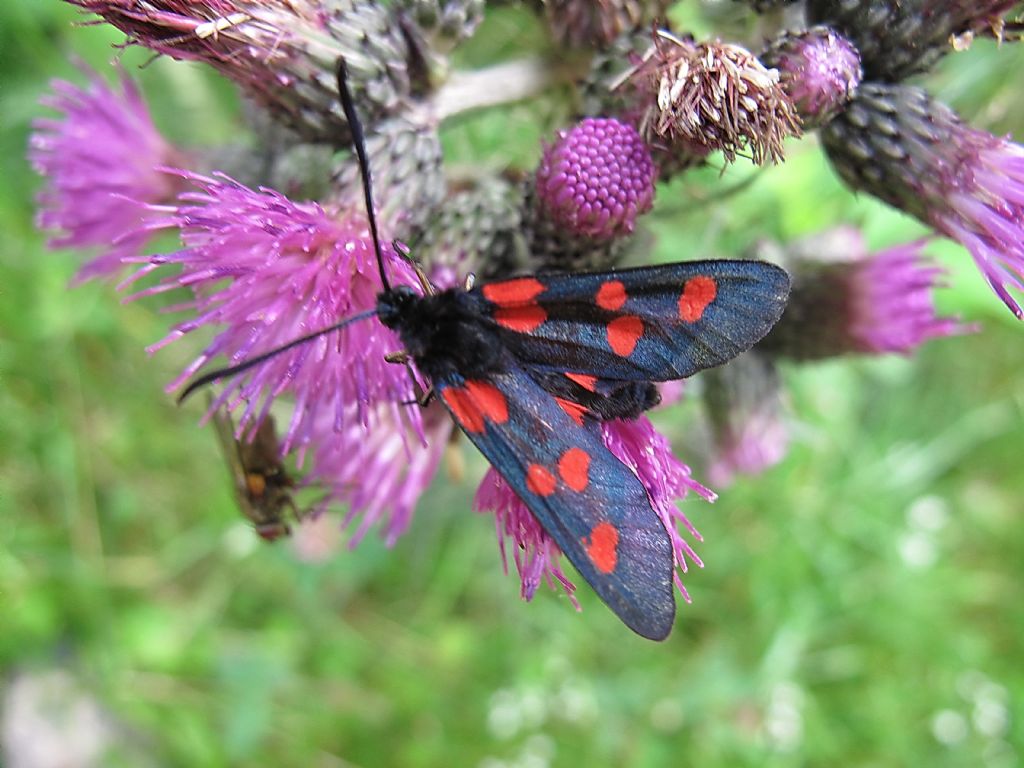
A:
596	179
641	448
269	270
915	153
861	303
819	70
892	307
379	471
103	163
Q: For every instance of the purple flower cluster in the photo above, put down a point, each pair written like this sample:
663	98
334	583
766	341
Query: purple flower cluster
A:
104	161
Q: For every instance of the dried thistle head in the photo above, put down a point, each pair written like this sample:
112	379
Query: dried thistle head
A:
713	96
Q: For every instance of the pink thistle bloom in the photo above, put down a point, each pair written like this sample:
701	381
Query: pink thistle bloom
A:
892	306
267	271
597	178
379	471
102	161
641	448
861	303
915	153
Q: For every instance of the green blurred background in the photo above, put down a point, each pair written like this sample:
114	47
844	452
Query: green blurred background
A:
861	604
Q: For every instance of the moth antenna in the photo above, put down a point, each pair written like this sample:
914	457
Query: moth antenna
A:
359	143
222	373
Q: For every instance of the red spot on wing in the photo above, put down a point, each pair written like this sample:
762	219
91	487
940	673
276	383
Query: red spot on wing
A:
602	547
463	408
522	319
574	469
510	293
488	400
575	410
589	383
539	480
623	334
611	295
698	293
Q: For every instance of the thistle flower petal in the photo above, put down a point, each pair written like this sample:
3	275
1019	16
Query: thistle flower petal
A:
648	454
380	470
102	161
901	145
267	270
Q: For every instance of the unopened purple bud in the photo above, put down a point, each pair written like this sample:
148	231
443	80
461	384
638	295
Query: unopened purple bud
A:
818	69
596	179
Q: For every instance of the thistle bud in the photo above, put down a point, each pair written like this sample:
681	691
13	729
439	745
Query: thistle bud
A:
904	147
819	70
900	38
591	186
408	177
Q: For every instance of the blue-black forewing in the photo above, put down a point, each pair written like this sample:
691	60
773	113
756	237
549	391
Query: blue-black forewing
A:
591	504
646	324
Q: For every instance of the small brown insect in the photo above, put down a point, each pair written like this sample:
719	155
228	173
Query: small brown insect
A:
262	485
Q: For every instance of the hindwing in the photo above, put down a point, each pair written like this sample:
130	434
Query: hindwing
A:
589	502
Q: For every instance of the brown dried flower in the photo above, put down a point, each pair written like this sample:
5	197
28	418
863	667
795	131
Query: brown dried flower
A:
713	96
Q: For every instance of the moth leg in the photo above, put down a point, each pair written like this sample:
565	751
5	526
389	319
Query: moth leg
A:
422	399
398	358
403	251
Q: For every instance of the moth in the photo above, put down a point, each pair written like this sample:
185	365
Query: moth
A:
262	485
530	366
